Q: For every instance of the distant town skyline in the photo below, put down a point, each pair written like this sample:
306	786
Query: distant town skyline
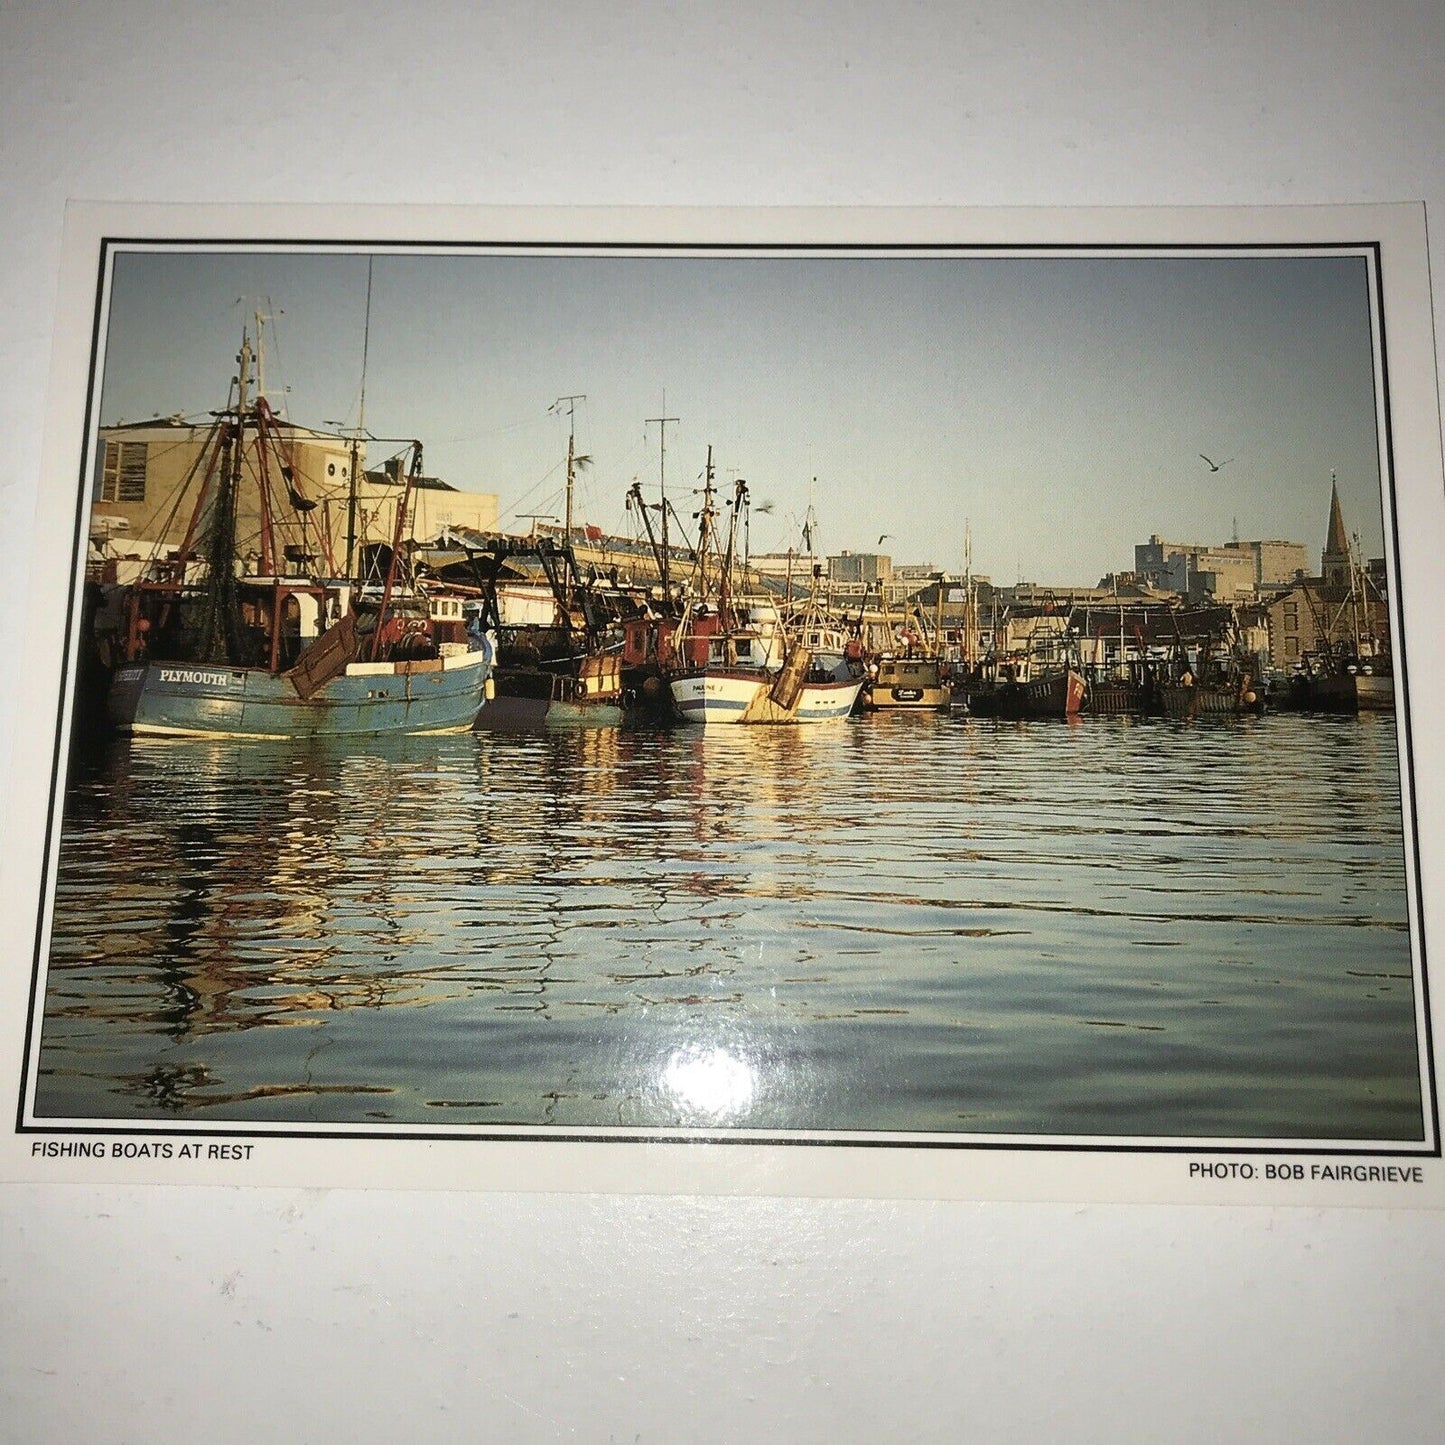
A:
1063	408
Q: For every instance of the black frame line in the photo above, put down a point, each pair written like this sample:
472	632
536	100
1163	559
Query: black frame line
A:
370	1134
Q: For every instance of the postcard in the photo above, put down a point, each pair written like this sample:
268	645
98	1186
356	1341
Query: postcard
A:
904	703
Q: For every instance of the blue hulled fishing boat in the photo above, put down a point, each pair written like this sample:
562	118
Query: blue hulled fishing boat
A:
277	646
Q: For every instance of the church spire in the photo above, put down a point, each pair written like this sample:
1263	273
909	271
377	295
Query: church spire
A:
1335	560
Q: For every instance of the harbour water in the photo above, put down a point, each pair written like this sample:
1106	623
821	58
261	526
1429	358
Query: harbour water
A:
913	923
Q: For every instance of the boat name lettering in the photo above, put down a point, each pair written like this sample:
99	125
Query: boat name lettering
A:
189	674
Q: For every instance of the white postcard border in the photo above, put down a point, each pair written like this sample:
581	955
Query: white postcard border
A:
1257	1172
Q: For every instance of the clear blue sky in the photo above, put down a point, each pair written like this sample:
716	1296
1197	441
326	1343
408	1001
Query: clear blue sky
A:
1058	405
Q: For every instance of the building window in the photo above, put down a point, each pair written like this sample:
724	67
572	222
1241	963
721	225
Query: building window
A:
123	478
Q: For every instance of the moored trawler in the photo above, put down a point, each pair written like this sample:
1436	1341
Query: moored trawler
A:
1364	688
560	657
712	697
1191	698
1059	694
1021	686
1341	680
902	659
588	694
733	661
442	694
749	673
905	682
210	649
1219	681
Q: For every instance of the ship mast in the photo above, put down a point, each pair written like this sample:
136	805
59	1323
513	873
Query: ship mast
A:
573	460
220	639
969	622
413	476
356	436
705	530
634	498
662	422
740	502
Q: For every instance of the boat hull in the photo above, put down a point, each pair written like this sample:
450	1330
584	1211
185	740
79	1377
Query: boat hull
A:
526	714
824	701
202	700
526	699
1353	692
713	698
1204	700
912	684
1116	700
1058	695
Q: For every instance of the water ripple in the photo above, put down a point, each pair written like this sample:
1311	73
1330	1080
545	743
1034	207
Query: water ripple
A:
923	924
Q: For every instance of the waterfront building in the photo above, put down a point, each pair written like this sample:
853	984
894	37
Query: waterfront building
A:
782	566
1232	571
919	574
1276	564
142	470
869	567
1344	608
1310	618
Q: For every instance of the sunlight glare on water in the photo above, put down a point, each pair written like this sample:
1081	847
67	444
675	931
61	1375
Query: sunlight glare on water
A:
914	923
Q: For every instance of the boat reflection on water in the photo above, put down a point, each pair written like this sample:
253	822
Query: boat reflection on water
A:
911	923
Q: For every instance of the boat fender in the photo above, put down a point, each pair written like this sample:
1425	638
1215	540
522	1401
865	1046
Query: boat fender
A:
489	689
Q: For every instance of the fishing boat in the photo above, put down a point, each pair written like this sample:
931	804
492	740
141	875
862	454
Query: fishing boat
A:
1351	668
1057	694
1192	697
902	658
1209	673
732	659
1040	680
1116	692
913	683
221	642
1121	663
558	654
836	649
1216	685
745	670
1342	680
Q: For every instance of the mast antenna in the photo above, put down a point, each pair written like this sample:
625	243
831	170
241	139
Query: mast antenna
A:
261	319
661	422
360	430
573	461
810	521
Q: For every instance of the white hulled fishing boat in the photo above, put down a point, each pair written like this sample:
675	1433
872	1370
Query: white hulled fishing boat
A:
734	660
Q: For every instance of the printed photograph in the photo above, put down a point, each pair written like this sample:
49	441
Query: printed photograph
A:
888	694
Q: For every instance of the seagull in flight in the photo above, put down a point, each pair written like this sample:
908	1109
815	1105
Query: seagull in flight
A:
1214	466
884	538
